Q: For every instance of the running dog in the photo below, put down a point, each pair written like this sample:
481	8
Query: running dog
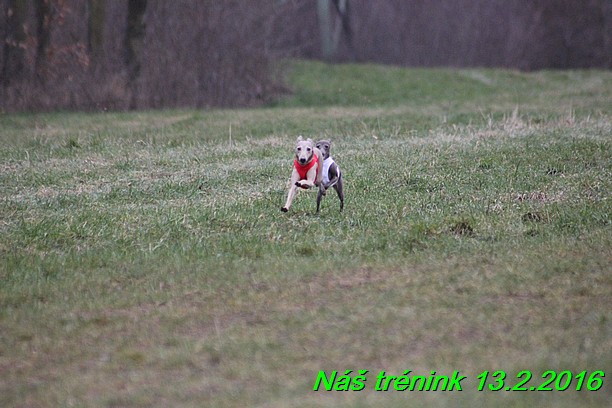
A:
332	177
307	169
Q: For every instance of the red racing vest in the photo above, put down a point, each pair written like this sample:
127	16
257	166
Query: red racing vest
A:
303	169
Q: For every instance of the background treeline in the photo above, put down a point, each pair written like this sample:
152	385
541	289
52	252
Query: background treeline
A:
137	54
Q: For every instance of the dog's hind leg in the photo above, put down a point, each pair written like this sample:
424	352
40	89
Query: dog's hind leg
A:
339	189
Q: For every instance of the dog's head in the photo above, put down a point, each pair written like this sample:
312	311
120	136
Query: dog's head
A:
304	150
325	147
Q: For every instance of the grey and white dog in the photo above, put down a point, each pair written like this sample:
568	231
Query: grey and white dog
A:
332	176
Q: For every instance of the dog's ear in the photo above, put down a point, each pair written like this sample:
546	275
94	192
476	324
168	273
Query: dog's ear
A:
309	140
300	138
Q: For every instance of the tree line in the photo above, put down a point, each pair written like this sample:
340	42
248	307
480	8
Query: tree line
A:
139	54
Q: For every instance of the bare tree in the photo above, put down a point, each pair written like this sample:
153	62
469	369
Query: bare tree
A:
103	54
526	34
203	53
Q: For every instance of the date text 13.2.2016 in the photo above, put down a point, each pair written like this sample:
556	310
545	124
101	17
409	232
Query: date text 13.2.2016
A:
549	381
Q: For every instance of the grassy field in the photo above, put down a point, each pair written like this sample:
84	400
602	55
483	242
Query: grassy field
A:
145	261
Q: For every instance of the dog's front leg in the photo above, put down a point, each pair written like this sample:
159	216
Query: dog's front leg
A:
319	171
334	174
320	195
330	183
310	179
292	190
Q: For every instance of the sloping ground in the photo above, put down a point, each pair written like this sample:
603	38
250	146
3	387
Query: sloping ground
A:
145	260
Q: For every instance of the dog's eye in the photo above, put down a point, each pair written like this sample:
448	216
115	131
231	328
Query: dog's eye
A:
299	149
308	149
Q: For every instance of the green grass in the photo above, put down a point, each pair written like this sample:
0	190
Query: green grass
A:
144	260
